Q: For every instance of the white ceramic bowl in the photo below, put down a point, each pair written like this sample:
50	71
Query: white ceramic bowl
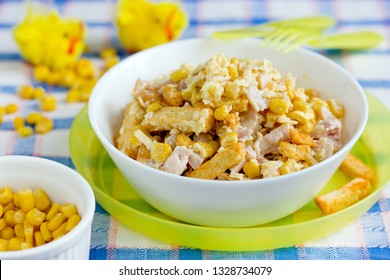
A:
225	203
63	185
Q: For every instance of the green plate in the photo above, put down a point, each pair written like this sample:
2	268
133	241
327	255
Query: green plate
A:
119	199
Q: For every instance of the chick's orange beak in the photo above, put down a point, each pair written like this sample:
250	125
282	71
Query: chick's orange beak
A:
76	39
72	45
168	26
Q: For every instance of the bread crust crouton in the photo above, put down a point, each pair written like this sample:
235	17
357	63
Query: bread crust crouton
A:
185	119
348	194
293	151
133	116
353	167
220	162
299	138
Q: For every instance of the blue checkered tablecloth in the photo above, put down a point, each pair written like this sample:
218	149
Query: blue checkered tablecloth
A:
366	238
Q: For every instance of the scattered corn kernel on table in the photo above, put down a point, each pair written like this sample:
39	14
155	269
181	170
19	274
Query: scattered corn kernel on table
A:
367	237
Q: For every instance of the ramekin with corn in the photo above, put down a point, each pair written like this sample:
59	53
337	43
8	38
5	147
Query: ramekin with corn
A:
46	210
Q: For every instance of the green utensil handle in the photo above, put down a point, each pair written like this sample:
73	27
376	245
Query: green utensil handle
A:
356	40
316	22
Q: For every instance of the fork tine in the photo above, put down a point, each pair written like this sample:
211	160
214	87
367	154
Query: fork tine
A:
298	43
282	35
270	37
289	40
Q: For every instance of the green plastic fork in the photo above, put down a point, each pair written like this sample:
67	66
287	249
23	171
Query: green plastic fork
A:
318	23
288	39
287	35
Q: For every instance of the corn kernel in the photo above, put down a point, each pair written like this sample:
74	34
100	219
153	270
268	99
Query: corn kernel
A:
84	95
44	125
111	62
19	216
26	200
54	210
26	92
221	113
10	108
108	52
48	103
205	149
7	233
15	244
183	140
1	210
26	245
69	78
38	238
300	105
53	78
1	118
279	106
285	169
46	233
56	222
19	230
3	223
29	234
307	127
72	222
229	138
33	117
41	72
336	108
317	103
16	200
39	92
59	231
3	245
153	107
41	200
25	131
172	96
18	122
73	95
68	209
160	151
178	75
59	236
5	195
85	68
9	206
251	169
9	217
35	217
233	69
299	116
290	166
233	72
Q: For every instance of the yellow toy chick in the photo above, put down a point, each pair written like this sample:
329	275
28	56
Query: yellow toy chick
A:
47	39
142	24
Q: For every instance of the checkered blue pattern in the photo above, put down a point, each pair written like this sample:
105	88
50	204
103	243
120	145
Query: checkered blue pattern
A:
366	238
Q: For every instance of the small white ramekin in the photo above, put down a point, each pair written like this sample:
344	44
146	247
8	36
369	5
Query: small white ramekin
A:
63	185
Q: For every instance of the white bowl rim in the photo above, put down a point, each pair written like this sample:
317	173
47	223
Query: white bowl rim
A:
226	183
62	244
